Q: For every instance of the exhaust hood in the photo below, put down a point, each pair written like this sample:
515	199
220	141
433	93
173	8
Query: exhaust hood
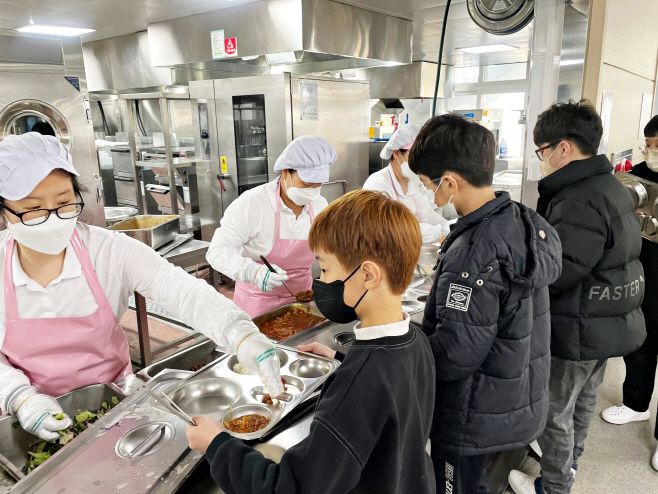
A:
297	36
412	81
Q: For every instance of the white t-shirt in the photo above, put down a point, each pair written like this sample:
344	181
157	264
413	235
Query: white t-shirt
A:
433	226
247	229
123	265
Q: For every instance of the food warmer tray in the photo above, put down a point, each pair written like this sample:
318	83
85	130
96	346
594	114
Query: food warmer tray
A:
152	230
302	335
97	461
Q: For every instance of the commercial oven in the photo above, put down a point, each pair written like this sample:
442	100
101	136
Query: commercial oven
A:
245	123
44	87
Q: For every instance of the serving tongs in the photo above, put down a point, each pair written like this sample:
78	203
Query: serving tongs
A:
171	407
269	266
424	274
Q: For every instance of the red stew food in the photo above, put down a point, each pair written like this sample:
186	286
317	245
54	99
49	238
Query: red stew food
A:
247	423
288	324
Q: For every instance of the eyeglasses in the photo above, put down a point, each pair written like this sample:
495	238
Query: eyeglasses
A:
39	216
540	152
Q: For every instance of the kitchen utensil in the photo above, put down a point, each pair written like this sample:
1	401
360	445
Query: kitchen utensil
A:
269	266
166	249
11	469
424	274
170	406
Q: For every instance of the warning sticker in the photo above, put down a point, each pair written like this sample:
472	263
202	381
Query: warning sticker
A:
223	165
231	47
459	297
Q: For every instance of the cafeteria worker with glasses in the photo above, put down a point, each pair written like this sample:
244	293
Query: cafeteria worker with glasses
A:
66	285
274	220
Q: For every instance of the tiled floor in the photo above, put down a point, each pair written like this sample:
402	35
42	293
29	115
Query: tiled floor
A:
617	458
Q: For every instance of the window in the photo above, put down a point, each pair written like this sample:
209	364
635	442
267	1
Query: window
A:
463	102
509	127
505	72
467	75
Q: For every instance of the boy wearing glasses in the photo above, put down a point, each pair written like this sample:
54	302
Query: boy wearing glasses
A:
487	316
595	304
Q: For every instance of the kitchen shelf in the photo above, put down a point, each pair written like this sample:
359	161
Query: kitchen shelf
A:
178	162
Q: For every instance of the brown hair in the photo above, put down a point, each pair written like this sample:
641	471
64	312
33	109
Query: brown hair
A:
365	225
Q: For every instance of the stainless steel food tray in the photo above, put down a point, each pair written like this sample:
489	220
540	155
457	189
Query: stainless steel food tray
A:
302	335
304	373
156	236
14	442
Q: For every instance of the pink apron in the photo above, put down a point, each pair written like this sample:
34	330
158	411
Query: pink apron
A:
397	195
294	257
65	353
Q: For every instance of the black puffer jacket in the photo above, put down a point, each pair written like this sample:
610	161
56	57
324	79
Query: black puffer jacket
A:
595	304
488	323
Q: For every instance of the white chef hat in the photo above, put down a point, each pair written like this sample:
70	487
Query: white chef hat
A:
26	159
403	138
310	156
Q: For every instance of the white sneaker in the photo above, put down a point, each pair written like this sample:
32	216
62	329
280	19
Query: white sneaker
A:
534	446
654	460
620	415
521	483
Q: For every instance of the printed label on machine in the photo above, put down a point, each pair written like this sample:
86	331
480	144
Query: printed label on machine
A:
224	166
217	43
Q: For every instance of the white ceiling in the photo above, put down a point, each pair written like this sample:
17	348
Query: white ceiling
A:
118	17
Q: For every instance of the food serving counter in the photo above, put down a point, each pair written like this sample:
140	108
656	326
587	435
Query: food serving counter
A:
140	447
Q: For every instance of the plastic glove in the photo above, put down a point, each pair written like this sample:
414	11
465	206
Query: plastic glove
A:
36	413
258	355
263	278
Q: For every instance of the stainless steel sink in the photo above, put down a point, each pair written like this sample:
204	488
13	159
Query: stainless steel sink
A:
203	352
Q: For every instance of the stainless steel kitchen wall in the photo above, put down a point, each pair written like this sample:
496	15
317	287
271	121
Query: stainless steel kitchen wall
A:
344	118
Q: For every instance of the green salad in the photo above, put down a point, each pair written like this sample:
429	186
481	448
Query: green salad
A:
42	450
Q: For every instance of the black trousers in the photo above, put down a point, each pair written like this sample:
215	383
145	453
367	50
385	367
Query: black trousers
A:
641	364
460	474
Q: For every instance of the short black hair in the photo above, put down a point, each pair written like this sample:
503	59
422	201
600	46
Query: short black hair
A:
577	122
44	129
651	129
453	143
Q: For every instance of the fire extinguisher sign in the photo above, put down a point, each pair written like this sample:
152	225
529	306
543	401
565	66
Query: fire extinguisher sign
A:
231	47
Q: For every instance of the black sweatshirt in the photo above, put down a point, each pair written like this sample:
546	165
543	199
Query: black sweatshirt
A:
368	435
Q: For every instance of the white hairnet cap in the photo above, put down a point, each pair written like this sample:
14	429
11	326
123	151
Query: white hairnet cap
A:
25	160
310	156
403	138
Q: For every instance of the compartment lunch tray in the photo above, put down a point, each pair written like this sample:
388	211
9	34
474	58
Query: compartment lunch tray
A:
304	373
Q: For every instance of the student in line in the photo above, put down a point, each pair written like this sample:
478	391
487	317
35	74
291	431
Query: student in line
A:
487	316
373	420
641	364
595	304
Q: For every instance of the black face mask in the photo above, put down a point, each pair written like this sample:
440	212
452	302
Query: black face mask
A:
329	299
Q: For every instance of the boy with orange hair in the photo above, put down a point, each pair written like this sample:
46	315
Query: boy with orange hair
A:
373	420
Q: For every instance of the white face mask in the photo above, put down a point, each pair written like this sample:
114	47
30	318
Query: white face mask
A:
302	196
651	156
545	165
406	171
448	210
51	237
